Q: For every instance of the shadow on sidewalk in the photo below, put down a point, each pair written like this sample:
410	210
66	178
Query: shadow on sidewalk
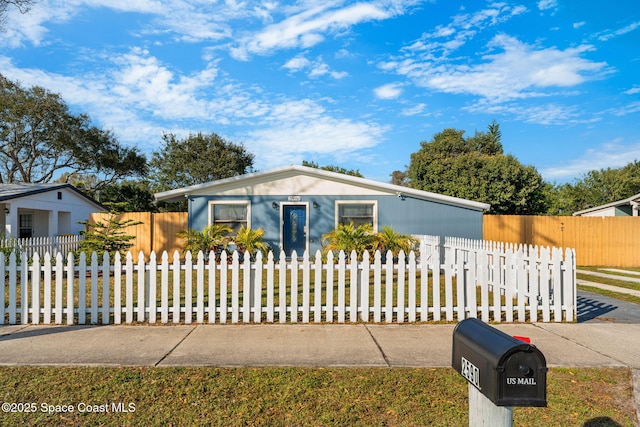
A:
31	331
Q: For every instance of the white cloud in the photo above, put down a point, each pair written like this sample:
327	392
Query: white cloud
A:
547	4
543	114
186	21
388	91
315	69
309	24
508	70
135	95
631	108
610	34
577	25
516	70
301	26
343	53
141	98
298	63
632	91
152	86
439	44
415	110
612	154
294	129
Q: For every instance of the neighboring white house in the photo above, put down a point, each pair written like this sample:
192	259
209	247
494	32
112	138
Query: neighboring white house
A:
625	207
43	210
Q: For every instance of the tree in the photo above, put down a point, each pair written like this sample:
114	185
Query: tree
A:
127	197
597	187
337	169
40	137
107	236
400	178
23	6
476	168
197	159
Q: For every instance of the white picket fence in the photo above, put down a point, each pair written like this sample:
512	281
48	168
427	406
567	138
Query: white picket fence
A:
447	282
42	245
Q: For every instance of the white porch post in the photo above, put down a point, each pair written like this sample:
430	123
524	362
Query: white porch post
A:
11	221
53	223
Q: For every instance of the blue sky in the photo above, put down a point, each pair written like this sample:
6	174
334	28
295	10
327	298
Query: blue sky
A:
355	84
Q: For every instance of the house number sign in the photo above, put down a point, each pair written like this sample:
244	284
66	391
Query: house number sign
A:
294	198
471	373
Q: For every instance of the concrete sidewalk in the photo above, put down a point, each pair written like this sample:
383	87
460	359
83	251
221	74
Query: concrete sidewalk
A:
328	345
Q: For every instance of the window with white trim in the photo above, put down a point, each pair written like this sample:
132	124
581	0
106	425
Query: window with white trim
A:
357	212
233	214
26	225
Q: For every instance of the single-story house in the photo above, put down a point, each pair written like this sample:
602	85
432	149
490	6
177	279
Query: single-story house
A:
43	210
296	205
625	207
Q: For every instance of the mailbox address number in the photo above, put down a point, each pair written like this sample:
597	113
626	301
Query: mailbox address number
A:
471	372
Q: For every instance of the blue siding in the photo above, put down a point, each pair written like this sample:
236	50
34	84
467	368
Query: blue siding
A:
409	216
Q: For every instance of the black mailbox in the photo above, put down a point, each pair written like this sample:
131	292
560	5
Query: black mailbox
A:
506	370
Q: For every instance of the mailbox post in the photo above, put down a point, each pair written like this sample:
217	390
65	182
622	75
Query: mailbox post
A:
501	370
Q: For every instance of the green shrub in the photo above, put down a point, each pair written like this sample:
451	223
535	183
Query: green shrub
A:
109	236
251	241
348	238
214	237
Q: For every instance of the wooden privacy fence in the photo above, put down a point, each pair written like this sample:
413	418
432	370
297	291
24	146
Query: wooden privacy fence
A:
610	241
156	233
492	282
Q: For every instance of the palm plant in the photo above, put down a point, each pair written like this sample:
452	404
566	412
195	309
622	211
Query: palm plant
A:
251	241
390	240
348	237
214	237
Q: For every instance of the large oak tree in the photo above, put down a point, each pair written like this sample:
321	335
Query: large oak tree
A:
40	138
197	159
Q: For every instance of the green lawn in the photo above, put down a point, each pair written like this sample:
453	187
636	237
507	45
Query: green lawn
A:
621	283
296	397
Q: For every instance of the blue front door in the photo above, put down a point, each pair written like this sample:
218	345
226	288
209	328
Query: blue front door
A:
294	229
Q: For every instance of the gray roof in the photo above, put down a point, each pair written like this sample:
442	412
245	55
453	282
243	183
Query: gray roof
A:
23	189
